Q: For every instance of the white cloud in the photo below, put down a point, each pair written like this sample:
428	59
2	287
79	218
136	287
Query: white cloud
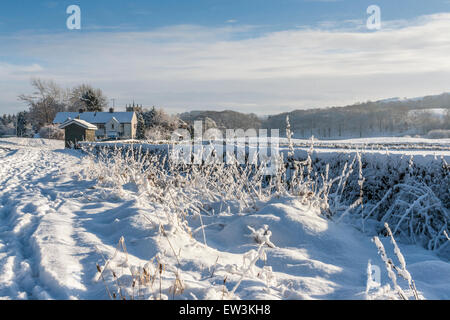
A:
193	67
17	71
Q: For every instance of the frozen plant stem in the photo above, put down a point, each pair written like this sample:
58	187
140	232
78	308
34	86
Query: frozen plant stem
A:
402	272
389	267
251	264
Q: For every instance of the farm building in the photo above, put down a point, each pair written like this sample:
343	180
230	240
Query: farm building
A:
77	130
121	125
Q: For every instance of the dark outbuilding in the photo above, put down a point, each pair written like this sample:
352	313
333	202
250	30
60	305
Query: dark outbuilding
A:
77	130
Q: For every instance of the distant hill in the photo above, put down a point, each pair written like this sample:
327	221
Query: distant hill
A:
388	117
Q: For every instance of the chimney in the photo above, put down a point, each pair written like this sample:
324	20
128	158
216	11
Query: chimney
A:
81	110
111	110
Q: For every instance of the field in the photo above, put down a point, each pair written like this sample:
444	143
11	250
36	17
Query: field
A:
77	225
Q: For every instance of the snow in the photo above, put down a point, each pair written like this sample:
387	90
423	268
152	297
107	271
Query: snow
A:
384	140
81	123
94	117
56	226
417	147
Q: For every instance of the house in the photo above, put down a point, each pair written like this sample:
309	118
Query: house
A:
120	125
77	130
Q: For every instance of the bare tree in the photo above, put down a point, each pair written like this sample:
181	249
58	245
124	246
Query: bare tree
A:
161	125
47	100
169	122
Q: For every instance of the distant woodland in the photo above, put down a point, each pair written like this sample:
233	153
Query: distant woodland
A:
427	116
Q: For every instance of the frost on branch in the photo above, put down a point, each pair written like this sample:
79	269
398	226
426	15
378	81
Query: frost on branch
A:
262	235
391	267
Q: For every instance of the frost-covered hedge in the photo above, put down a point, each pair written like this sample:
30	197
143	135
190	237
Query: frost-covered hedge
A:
411	194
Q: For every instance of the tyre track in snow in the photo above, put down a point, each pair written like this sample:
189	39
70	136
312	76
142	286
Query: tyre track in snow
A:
27	175
18	223
47	226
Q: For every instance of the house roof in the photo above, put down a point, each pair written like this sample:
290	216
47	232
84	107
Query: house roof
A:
78	122
95	117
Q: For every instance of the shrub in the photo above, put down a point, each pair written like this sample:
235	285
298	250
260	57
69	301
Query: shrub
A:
51	132
7	129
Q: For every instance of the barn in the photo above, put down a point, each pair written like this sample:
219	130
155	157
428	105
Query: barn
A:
77	130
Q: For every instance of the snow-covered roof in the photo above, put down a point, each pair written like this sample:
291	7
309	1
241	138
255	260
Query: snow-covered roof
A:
95	117
79	122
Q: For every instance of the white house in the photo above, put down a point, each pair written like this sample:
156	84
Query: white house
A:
121	125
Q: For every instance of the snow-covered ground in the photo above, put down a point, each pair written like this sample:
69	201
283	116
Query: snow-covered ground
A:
392	145
55	227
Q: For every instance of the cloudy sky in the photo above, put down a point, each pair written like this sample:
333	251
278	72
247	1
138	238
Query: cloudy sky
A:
261	56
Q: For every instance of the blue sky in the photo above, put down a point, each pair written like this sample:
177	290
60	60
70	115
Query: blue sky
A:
247	55
25	15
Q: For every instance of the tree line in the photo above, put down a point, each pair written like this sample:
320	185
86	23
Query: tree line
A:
382	118
47	99
154	123
427	116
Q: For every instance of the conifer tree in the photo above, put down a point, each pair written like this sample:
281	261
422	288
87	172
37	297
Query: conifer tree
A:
140	134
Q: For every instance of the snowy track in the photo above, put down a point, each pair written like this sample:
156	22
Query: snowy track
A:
55	228
51	231
30	244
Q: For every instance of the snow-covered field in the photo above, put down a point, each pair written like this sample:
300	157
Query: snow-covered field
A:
391	145
57	225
